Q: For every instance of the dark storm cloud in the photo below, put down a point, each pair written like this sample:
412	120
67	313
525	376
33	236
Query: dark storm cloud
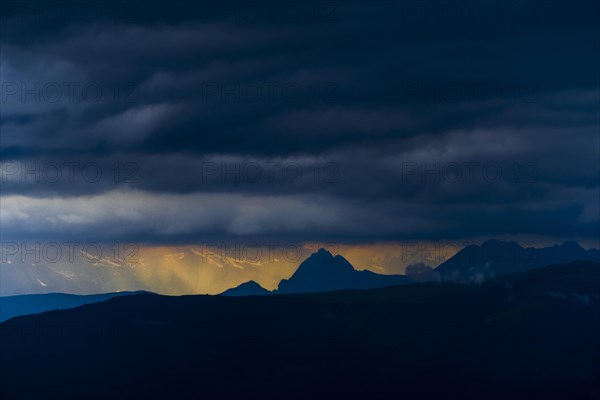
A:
349	120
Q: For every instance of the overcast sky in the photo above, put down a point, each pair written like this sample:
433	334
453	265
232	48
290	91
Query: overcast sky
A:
353	122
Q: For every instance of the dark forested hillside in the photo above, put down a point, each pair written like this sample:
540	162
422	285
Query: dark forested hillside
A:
529	335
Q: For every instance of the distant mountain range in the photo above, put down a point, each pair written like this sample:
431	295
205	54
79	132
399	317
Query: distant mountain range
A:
14	306
531	335
323	272
492	258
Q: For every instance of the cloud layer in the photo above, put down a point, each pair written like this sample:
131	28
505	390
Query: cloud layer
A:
347	121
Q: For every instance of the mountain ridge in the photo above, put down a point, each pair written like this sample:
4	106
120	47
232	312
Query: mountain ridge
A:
494	257
385	338
24	304
249	288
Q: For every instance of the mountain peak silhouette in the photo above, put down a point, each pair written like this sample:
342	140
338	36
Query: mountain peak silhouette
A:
250	288
322	271
323	251
322	258
570	245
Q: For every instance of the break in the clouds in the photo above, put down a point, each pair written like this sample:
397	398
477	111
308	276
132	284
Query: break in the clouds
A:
349	121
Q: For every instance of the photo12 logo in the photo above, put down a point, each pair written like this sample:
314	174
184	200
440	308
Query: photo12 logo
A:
467	252
268	92
35	253
470	172
68	92
264	252
70	172
276	172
